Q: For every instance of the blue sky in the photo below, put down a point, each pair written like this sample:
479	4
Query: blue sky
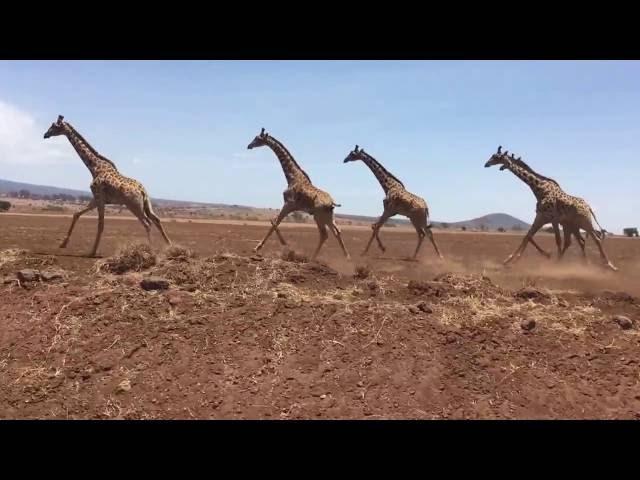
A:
182	129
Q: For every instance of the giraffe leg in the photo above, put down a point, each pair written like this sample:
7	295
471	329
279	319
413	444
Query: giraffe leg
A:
581	242
100	226
537	247
420	231
380	245
386	215
286	210
338	234
603	255
280	237
322	228
139	213
148	211
433	241
538	223
556	232
567	240
76	216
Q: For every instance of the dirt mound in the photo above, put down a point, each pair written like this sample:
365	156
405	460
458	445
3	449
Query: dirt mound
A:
131	257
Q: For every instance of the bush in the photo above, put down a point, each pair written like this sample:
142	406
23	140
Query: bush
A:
501	229
4	206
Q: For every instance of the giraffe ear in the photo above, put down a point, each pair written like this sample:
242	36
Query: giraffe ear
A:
60	118
506	152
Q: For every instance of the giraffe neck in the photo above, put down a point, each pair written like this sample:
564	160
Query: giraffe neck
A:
386	179
535	183
292	171
91	158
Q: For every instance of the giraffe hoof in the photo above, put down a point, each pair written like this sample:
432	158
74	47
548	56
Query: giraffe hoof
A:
63	245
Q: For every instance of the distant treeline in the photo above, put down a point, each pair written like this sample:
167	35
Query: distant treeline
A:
65	197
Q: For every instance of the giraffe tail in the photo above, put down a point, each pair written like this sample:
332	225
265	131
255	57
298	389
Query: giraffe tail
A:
602	230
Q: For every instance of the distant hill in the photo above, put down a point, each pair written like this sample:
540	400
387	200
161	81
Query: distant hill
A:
7	186
493	221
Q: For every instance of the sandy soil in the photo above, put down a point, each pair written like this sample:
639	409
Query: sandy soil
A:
239	335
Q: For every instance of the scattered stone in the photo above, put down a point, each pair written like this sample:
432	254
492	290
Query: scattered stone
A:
424	307
28	275
414	310
281	295
531	293
528	324
123	386
625	323
154	283
189	287
177	297
50	275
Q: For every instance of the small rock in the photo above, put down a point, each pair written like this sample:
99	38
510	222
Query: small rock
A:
323	396
528	324
529	293
123	386
414	310
50	275
8	280
424	307
28	275
154	283
132	279
281	295
625	322
177	297
189	287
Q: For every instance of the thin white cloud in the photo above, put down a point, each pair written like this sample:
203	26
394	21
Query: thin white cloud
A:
22	142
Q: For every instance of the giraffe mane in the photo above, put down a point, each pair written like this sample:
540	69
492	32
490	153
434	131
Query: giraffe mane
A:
88	145
290	156
520	162
384	169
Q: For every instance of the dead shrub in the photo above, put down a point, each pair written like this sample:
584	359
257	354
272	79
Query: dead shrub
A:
179	253
362	272
131	257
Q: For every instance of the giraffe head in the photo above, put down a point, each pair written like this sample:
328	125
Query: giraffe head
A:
499	158
56	128
355	154
259	141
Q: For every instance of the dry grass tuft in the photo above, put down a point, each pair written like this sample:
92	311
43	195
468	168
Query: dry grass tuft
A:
291	256
362	272
131	257
178	253
11	255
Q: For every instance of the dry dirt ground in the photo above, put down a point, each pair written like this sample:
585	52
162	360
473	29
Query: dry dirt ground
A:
238	335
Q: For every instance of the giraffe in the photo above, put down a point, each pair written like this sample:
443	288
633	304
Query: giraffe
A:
397	201
108	186
300	195
567	228
553	206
